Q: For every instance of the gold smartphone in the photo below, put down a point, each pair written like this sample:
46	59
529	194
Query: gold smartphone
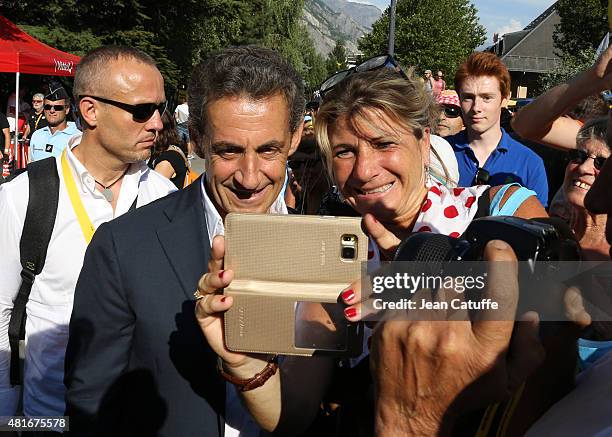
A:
288	273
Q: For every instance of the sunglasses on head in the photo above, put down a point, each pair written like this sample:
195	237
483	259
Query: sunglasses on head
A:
580	156
140	112
374	63
54	107
451	111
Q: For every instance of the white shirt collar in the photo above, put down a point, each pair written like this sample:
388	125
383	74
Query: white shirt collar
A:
214	222
70	129
87	184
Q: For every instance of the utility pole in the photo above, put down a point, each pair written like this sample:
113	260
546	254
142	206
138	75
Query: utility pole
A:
391	49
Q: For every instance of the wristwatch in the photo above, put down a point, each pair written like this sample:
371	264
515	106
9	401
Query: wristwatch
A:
250	383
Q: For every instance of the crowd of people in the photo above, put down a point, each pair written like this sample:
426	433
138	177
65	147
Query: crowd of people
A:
117	340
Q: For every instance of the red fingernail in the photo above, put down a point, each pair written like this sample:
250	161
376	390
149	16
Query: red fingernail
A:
348	295
350	312
221	273
223	298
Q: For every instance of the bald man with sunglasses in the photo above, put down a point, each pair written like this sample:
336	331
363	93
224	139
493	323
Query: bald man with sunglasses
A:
102	174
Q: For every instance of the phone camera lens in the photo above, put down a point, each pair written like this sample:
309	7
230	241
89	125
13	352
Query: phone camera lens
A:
348	252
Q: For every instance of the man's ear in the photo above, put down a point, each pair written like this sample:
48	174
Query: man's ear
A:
295	139
67	105
504	102
88	111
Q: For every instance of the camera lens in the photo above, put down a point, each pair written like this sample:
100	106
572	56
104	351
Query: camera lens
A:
348	252
346	238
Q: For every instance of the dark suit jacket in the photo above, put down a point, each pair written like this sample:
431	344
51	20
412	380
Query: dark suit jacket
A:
137	362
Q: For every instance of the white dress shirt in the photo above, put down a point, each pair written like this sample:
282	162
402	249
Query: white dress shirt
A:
50	303
238	421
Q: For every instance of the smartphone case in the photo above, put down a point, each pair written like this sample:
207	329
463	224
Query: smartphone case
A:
279	260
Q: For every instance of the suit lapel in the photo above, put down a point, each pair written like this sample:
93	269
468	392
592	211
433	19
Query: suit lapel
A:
185	239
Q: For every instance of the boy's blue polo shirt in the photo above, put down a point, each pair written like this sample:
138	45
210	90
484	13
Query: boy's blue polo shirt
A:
510	162
45	144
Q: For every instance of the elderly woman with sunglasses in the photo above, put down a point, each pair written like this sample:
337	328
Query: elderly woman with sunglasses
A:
586	161
374	133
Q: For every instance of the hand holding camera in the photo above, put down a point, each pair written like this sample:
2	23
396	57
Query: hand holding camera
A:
439	369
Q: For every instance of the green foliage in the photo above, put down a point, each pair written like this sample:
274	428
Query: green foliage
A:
177	34
429	34
569	67
583	25
336	60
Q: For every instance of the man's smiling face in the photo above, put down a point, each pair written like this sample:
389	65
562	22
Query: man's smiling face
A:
246	154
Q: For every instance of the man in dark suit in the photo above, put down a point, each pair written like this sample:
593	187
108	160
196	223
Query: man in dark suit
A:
137	362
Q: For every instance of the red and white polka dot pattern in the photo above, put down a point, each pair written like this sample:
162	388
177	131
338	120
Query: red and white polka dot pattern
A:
448	211
444	211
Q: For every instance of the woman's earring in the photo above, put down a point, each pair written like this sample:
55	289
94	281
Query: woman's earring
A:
427	173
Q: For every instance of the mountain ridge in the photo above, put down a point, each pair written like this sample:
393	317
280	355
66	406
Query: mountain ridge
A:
329	21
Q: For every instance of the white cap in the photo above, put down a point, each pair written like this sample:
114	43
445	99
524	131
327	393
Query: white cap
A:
447	156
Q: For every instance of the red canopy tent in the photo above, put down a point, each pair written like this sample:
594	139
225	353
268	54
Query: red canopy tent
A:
21	53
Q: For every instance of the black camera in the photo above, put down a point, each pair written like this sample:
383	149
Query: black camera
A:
548	239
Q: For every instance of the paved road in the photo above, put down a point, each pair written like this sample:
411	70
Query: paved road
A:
197	164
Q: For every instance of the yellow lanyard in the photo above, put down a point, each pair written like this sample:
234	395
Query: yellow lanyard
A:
86	226
37	120
489	416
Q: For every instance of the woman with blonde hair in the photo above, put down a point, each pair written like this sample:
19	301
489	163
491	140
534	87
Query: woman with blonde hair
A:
374	129
374	133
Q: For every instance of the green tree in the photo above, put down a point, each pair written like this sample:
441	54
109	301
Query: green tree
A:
177	34
336	60
429	34
569	67
583	25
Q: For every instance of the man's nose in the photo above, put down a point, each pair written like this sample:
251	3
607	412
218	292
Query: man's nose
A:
155	122
247	171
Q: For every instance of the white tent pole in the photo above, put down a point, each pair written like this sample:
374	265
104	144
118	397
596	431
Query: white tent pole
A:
16	144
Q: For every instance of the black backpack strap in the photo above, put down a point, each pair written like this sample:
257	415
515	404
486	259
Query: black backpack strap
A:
37	229
484	204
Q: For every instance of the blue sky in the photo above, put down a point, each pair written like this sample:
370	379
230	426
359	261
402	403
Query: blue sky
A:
500	16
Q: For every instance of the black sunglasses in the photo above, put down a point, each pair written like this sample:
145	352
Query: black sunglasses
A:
140	112
482	177
55	107
368	65
451	111
580	156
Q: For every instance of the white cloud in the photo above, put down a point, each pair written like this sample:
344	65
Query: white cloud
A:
512	26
